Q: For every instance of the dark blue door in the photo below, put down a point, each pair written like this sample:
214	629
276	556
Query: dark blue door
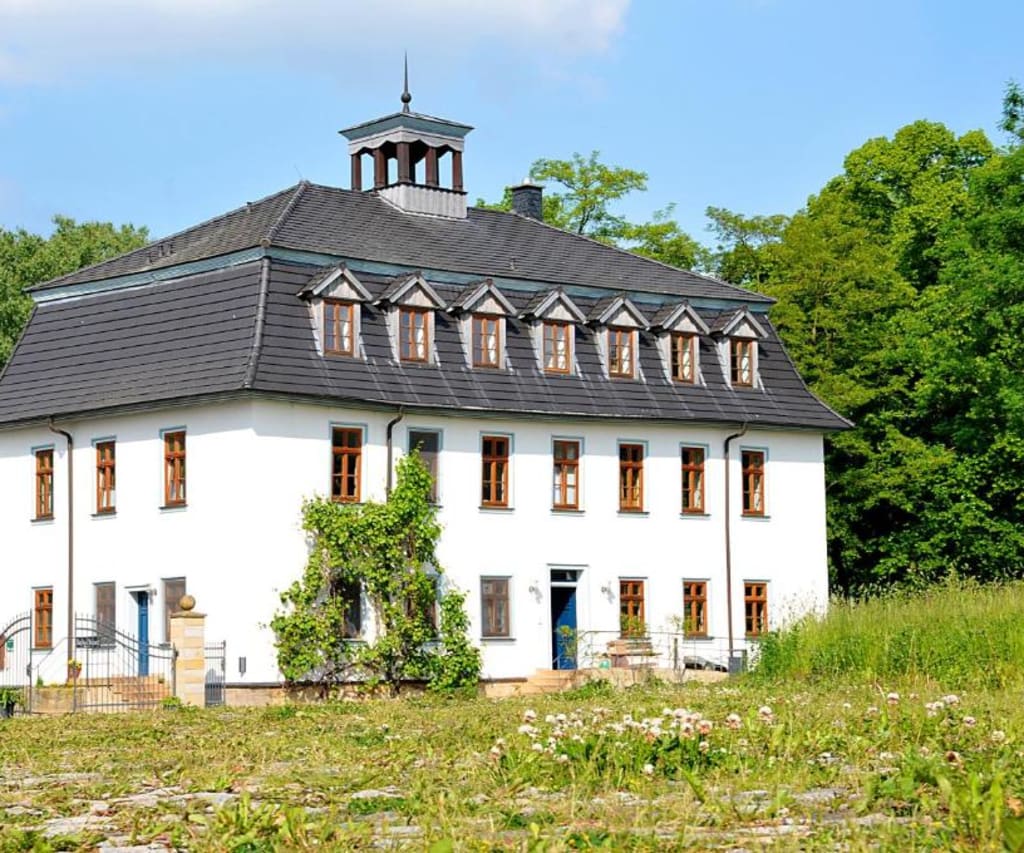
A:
143	637
563	623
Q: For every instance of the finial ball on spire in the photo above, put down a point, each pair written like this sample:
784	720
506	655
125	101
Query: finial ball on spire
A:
406	97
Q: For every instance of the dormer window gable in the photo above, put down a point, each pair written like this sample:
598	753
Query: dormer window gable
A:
618	322
335	298
482	310
678	329
739	336
553	318
409	304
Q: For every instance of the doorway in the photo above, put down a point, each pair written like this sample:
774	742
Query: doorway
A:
564	634
141	597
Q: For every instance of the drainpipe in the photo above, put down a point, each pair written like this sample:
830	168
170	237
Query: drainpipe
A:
71	540
390	430
728	542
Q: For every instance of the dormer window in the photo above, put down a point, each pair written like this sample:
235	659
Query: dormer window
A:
684	358
742	352
557	347
339	327
486	341
621	353
413	334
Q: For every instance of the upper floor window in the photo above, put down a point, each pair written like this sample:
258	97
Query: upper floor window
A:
413	334
42	622
44	483
695	608
174	468
741	361
684	358
486	341
428	444
339	327
567	474
631	477
753	482
693	479
631	608
494	475
557	347
755	608
346	459
494	607
621	352
105	474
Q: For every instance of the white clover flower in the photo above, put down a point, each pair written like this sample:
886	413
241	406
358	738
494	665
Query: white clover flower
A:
648	769
734	721
924	752
970	722
872	711
560	718
496	752
765	714
998	736
951	700
953	757
562	758
847	706
537	746
933	708
703	746
893	698
527	729
704	727
529	715
686	730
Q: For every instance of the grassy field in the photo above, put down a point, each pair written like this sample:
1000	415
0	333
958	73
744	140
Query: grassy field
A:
835	761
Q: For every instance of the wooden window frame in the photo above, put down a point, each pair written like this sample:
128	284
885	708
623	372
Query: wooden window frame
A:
44	483
490	603
407	328
631	476
563	465
680	343
753	465
632	607
494	470
333	327
175	483
106	477
737	348
692	459
695	608
42	617
483	326
346	464
755	608
552	333
434	456
105	628
171	585
616	363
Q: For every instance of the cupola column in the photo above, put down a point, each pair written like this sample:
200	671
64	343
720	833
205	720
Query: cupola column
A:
431	168
380	169
457	171
357	171
404	163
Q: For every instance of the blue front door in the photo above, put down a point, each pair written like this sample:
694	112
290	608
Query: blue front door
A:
563	622
142	599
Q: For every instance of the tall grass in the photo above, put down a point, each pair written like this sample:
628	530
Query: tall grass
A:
959	634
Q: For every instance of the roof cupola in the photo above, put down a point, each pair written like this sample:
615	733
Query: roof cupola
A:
417	159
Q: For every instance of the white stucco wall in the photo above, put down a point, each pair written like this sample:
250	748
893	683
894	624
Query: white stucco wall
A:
250	464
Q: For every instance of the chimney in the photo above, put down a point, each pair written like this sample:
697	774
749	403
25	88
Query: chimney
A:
528	200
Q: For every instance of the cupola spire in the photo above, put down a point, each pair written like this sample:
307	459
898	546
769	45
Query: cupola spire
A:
406	95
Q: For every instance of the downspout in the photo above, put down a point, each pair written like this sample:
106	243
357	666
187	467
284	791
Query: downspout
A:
71	541
390	430
728	543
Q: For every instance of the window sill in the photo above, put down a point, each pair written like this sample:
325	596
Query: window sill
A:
173	507
42	519
695	515
497	639
751	517
697	638
497	509
633	513
557	510
108	513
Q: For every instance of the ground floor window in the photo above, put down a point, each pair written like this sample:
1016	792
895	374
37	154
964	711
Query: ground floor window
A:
695	608
106	612
42	637
631	608
494	607
755	607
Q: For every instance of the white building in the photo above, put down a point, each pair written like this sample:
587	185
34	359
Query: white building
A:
618	445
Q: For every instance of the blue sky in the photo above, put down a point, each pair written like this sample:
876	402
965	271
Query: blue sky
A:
167	112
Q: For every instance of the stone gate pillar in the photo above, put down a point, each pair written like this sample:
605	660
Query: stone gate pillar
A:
188	636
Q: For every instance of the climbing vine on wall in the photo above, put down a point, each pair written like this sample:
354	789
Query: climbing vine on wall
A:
383	556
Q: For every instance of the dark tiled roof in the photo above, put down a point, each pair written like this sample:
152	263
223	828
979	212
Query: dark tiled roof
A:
195	336
361	225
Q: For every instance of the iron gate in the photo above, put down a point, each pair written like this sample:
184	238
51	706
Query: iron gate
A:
16	663
117	672
216	665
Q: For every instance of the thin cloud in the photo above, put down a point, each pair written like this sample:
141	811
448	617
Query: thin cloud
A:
52	40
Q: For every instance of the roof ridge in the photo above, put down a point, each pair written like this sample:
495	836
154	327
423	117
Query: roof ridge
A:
183	231
622	251
300	188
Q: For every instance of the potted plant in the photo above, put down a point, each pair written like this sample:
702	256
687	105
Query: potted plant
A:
74	669
10	697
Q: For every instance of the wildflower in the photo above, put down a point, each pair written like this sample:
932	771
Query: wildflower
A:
951	700
495	752
550	719
970	722
527	729
765	714
500	742
924	752
703	746
537	746
998	736
648	769
562	758
847	706
561	718
893	698
872	711
953	757
734	722
686	730
704	727
933	708
529	715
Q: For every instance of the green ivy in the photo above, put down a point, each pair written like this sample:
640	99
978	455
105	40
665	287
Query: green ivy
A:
389	550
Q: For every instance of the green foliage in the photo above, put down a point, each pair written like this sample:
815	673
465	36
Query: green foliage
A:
387	551
27	259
